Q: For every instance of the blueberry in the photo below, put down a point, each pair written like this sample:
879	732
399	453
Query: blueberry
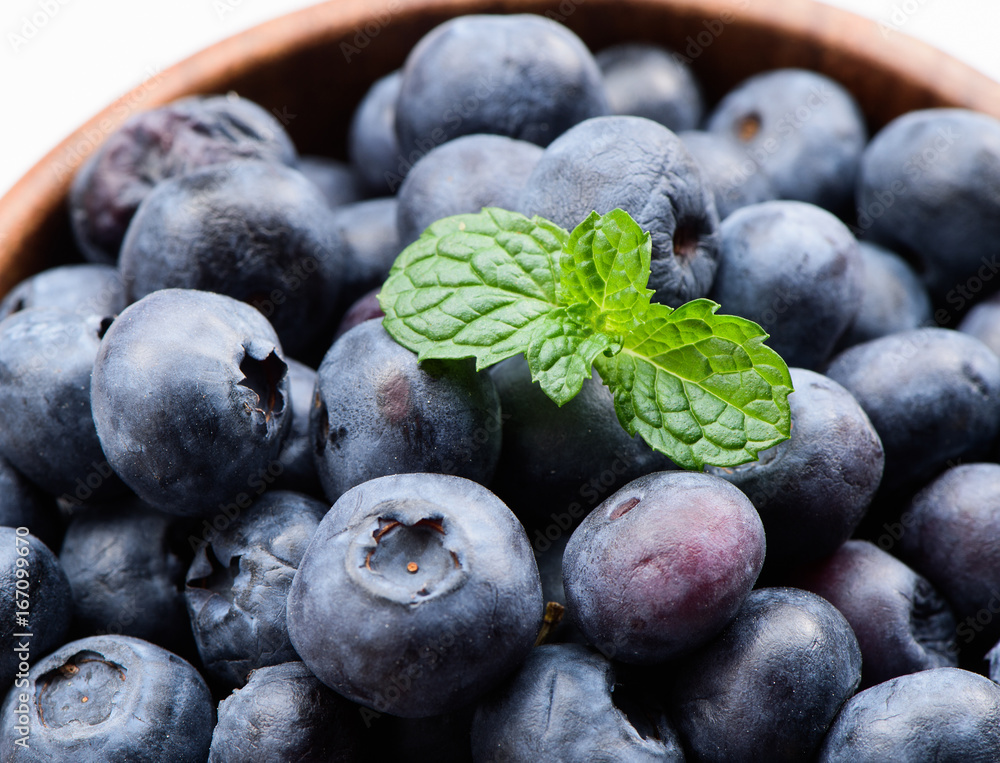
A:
298	467
771	684
371	241
339	182
644	80
255	231
163	143
366	308
813	489
795	269
948	534
801	128
983	322
214	429
523	76
575	692
893	297
945	715
36	598
927	189
662	565
556	463
282	714
24	504
734	179
417	594
109	698
371	139
88	289
46	429
932	394
640	166
463	175
126	565
902	623
238	583
377	412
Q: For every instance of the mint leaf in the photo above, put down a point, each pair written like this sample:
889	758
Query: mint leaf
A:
605	266
701	388
474	286
562	354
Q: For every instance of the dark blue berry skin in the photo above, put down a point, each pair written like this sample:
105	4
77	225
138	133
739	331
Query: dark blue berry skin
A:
643	168
770	685
298	467
463	175
813	489
43	598
238	583
219	417
338	181
110	698
417	595
563	705
949	535
893	297
795	269
371	139
255	231
945	715
365	309
523	76
735	179
88	289
983	322
371	241
932	394
803	129
378	412
126	565
927	189
46	429
24	504
163	143
644	80
285	713
556	463
902	623
662	565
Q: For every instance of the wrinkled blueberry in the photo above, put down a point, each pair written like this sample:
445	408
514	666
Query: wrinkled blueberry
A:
163	143
417	594
802	128
463	175
255	231
563	705
109	698
662	565
377	411
523	76
214	429
640	166
238	583
795	269
645	80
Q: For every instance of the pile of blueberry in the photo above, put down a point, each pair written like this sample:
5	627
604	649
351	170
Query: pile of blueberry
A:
499	578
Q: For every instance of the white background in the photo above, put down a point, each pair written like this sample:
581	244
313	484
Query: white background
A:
89	52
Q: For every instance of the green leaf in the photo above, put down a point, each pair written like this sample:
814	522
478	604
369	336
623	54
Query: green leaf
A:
605	266
562	355
474	285
701	388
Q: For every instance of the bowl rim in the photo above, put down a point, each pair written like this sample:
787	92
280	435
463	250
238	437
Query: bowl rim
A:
40	193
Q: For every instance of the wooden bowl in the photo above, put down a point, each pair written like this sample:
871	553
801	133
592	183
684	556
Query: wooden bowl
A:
313	66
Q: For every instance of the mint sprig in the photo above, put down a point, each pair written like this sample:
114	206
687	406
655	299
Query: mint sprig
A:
700	387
